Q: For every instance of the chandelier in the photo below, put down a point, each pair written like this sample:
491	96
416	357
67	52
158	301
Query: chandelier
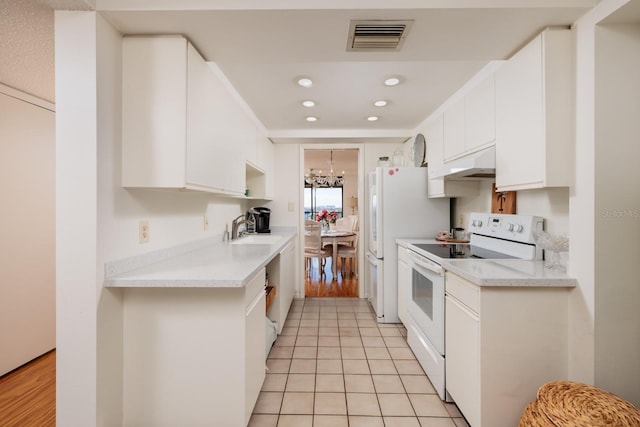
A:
316	179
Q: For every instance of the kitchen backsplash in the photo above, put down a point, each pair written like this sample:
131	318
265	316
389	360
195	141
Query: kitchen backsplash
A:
552	204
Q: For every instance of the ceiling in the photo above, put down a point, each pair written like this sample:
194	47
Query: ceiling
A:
262	46
262	52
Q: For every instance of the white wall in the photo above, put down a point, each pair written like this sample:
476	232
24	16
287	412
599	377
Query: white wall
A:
582	199
27	227
617	210
286	185
76	219
552	204
604	315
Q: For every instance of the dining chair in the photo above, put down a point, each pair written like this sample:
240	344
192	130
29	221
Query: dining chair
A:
355	226
349	252
342	224
313	246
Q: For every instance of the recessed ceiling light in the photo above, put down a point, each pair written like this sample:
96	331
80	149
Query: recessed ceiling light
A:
392	81
380	103
305	82
308	103
311	119
372	118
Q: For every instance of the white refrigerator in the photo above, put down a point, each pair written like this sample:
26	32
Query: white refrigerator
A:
398	207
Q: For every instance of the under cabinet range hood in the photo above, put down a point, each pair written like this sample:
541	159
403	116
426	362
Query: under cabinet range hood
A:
481	164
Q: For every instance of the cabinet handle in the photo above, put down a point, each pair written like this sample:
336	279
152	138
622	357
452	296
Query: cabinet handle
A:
255	302
459	304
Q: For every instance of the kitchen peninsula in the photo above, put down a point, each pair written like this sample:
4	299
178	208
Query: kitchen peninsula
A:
194	327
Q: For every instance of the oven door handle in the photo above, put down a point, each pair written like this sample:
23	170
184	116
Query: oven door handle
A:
425	263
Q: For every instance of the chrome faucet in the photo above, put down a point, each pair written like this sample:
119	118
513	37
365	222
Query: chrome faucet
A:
235	225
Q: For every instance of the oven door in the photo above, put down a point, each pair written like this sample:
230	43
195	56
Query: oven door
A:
426	305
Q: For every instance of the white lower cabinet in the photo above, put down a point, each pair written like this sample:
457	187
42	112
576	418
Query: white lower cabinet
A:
502	344
255	335
193	356
463	373
404	283
282	274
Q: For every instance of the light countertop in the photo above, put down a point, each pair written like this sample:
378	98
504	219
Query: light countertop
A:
503	272
208	264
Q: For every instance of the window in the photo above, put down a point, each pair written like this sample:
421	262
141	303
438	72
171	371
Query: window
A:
319	198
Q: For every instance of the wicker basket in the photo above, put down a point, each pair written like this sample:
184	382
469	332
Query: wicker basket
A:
532	417
571	404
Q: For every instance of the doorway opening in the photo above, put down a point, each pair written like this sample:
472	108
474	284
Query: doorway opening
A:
331	189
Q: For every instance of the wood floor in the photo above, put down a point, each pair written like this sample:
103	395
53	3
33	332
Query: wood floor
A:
317	285
28	394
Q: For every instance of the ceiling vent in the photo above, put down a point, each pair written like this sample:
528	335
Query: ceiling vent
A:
377	35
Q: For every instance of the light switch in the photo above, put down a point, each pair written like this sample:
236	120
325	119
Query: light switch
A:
291	207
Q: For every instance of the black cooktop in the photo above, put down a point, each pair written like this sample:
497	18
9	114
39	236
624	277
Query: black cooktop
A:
452	250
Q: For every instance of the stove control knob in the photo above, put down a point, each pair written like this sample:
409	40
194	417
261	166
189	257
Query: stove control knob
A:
477	223
509	227
518	228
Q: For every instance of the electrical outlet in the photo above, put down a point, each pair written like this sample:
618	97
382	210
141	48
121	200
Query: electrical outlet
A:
291	207
143	231
206	223
461	222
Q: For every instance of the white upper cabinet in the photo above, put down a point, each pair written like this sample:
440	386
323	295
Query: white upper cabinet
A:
182	128
454	130
438	187
434	137
470	123
480	115
260	170
533	113
265	154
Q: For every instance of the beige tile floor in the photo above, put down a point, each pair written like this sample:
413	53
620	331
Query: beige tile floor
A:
335	366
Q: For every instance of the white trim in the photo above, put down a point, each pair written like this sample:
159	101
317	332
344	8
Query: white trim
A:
137	5
26	97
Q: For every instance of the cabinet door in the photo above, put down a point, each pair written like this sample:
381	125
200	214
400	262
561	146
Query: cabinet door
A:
265	154
434	136
454	134
519	109
255	337
288	279
205	164
480	115
229	128
462	338
404	283
154	99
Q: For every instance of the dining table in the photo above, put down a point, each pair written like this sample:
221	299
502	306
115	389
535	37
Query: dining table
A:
334	237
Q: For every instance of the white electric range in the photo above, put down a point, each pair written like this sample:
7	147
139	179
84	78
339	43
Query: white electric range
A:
492	236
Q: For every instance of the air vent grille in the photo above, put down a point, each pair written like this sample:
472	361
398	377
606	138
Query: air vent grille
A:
377	35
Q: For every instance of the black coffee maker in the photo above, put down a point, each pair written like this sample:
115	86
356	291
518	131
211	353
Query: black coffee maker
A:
261	218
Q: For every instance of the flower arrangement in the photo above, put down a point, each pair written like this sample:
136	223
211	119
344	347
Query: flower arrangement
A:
325	215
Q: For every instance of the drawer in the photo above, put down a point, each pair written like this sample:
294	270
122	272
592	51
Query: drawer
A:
464	291
255	285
